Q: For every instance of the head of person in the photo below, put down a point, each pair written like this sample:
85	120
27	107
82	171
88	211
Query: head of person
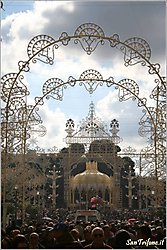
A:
98	236
30	229
20	242
75	234
59	230
50	224
88	233
144	232
106	229
121	239
34	238
14	233
159	230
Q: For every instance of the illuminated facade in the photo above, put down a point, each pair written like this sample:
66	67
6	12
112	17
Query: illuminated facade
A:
90	162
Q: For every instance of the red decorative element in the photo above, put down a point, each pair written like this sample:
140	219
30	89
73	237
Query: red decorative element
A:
96	200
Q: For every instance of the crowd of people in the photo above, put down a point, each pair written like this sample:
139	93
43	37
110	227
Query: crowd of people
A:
116	230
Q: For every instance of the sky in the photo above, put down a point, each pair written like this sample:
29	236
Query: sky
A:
23	20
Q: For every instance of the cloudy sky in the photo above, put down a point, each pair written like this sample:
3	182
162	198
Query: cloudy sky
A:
23	20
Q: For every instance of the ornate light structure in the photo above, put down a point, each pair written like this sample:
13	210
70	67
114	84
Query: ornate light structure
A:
130	187
19	118
146	173
90	129
55	174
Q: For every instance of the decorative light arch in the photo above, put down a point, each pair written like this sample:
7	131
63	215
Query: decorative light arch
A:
18	117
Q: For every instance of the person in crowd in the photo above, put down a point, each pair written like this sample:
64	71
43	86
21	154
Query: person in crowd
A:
5	240
63	239
47	238
14	232
11	227
143	235
87	236
161	237
79	227
108	235
30	230
122	237
75	234
98	241
159	233
19	242
153	233
34	241
144	232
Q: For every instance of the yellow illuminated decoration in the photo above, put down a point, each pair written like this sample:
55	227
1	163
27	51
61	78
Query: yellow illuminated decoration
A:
91	177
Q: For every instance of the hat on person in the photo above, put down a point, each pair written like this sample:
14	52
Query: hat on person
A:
60	227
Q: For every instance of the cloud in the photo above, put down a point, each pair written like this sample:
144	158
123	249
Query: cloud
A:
127	19
109	108
54	122
54	17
